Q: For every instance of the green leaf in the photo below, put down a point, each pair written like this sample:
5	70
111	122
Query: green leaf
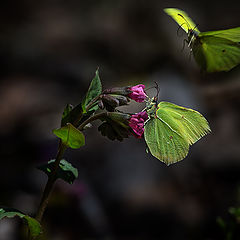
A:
72	115
10	212
33	225
70	136
234	211
94	90
66	171
221	223
66	115
67	110
171	129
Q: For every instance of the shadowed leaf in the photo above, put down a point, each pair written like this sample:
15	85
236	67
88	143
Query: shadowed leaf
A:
94	90
66	171
33	225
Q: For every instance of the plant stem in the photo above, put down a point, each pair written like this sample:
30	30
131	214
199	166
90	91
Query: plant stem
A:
50	183
94	117
92	102
52	177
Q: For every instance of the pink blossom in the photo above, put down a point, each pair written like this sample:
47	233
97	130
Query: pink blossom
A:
136	122
137	93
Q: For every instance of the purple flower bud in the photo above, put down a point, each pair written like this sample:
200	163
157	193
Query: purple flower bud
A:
137	93
136	122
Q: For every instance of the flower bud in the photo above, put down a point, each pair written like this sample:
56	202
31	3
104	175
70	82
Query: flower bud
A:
136	123
122	99
111	101
137	93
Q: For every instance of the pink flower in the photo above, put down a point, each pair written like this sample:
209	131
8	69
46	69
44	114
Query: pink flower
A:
136	122
137	93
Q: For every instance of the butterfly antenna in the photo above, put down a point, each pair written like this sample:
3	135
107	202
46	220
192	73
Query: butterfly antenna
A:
179	27
150	88
196	26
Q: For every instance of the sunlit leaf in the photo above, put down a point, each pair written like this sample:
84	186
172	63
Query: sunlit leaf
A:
70	136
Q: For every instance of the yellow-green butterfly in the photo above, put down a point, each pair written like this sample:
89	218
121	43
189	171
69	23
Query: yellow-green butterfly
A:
214	51
171	129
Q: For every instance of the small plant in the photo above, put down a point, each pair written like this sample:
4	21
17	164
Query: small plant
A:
169	131
230	227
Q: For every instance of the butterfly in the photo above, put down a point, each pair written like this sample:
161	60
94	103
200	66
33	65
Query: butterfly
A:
214	51
171	129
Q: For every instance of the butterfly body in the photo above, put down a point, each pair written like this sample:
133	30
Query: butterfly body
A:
214	51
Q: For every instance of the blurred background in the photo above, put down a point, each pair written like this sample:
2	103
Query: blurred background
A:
49	51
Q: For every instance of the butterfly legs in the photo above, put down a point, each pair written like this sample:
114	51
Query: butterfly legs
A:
185	41
190	55
189	43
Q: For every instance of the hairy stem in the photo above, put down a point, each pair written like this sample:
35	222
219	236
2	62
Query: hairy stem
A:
94	117
50	183
93	102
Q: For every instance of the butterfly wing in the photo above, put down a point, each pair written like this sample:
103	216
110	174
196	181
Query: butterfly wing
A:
163	142
190	124
170	133
183	20
232	34
218	50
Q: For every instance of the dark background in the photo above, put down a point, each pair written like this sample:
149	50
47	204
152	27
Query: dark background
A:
49	51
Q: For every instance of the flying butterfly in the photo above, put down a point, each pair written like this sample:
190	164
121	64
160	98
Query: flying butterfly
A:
214	51
171	129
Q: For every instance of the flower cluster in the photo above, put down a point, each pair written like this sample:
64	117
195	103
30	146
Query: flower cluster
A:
136	123
119	125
